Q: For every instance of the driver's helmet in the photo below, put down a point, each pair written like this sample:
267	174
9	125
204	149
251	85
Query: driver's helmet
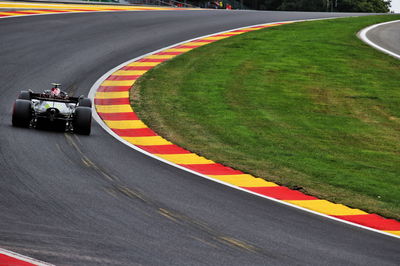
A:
55	91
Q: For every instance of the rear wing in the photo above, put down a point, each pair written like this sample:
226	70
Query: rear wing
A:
47	97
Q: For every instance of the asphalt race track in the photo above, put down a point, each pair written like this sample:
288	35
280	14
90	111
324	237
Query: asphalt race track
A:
90	200
387	36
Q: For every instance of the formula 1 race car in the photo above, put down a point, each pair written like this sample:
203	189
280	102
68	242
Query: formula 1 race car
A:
53	108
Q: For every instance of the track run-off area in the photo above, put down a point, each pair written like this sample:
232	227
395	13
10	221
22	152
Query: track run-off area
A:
92	200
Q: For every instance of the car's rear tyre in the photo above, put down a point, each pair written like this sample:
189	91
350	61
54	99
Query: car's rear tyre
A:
85	102
25	95
22	113
82	120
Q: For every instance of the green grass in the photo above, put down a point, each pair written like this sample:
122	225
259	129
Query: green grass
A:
305	105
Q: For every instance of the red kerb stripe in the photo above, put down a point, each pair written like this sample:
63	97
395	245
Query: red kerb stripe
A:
118	116
115	77
137	68
54	10
7	260
190	46
183	46
82	9
204	41
224	35
212	169
169	53
152	60
372	220
113	88
111	101
281	193
136	132
242	30
164	149
24	12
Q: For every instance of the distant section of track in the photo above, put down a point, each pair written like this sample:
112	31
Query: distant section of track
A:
385	37
69	199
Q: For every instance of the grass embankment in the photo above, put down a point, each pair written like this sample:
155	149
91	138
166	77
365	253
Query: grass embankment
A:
305	105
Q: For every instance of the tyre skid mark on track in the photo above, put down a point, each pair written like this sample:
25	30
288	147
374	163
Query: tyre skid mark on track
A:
86	161
111	93
117	188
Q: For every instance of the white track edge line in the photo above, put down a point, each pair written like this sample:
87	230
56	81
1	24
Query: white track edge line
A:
363	36
97	84
23	258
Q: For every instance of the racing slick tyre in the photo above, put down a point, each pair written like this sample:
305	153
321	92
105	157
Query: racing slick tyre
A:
85	102
22	113
82	120
25	95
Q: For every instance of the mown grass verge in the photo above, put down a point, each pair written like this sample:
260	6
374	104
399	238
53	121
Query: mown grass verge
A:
305	105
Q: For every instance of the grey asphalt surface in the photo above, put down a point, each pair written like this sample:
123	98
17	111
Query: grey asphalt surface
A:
90	200
386	36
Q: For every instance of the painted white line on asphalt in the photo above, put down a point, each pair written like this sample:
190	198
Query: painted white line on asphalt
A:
97	84
23	258
363	36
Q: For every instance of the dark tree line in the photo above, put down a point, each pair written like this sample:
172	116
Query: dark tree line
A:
376	6
372	6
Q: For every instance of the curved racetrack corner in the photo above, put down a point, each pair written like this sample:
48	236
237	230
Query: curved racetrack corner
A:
70	199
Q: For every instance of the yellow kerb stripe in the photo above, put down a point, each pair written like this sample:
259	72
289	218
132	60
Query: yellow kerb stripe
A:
125	124
215	38
69	6
57	9
37	11
195	43
123	108
168	56
178	50
267	26
146	64
230	33
189	158
393	232
79	11
147	141
326	207
52	5
273	25
250	29
129	72
112	95
244	180
118	83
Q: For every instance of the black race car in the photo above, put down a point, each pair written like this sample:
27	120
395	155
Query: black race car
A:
53	108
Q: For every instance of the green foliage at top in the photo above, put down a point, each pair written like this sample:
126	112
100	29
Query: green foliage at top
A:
371	6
